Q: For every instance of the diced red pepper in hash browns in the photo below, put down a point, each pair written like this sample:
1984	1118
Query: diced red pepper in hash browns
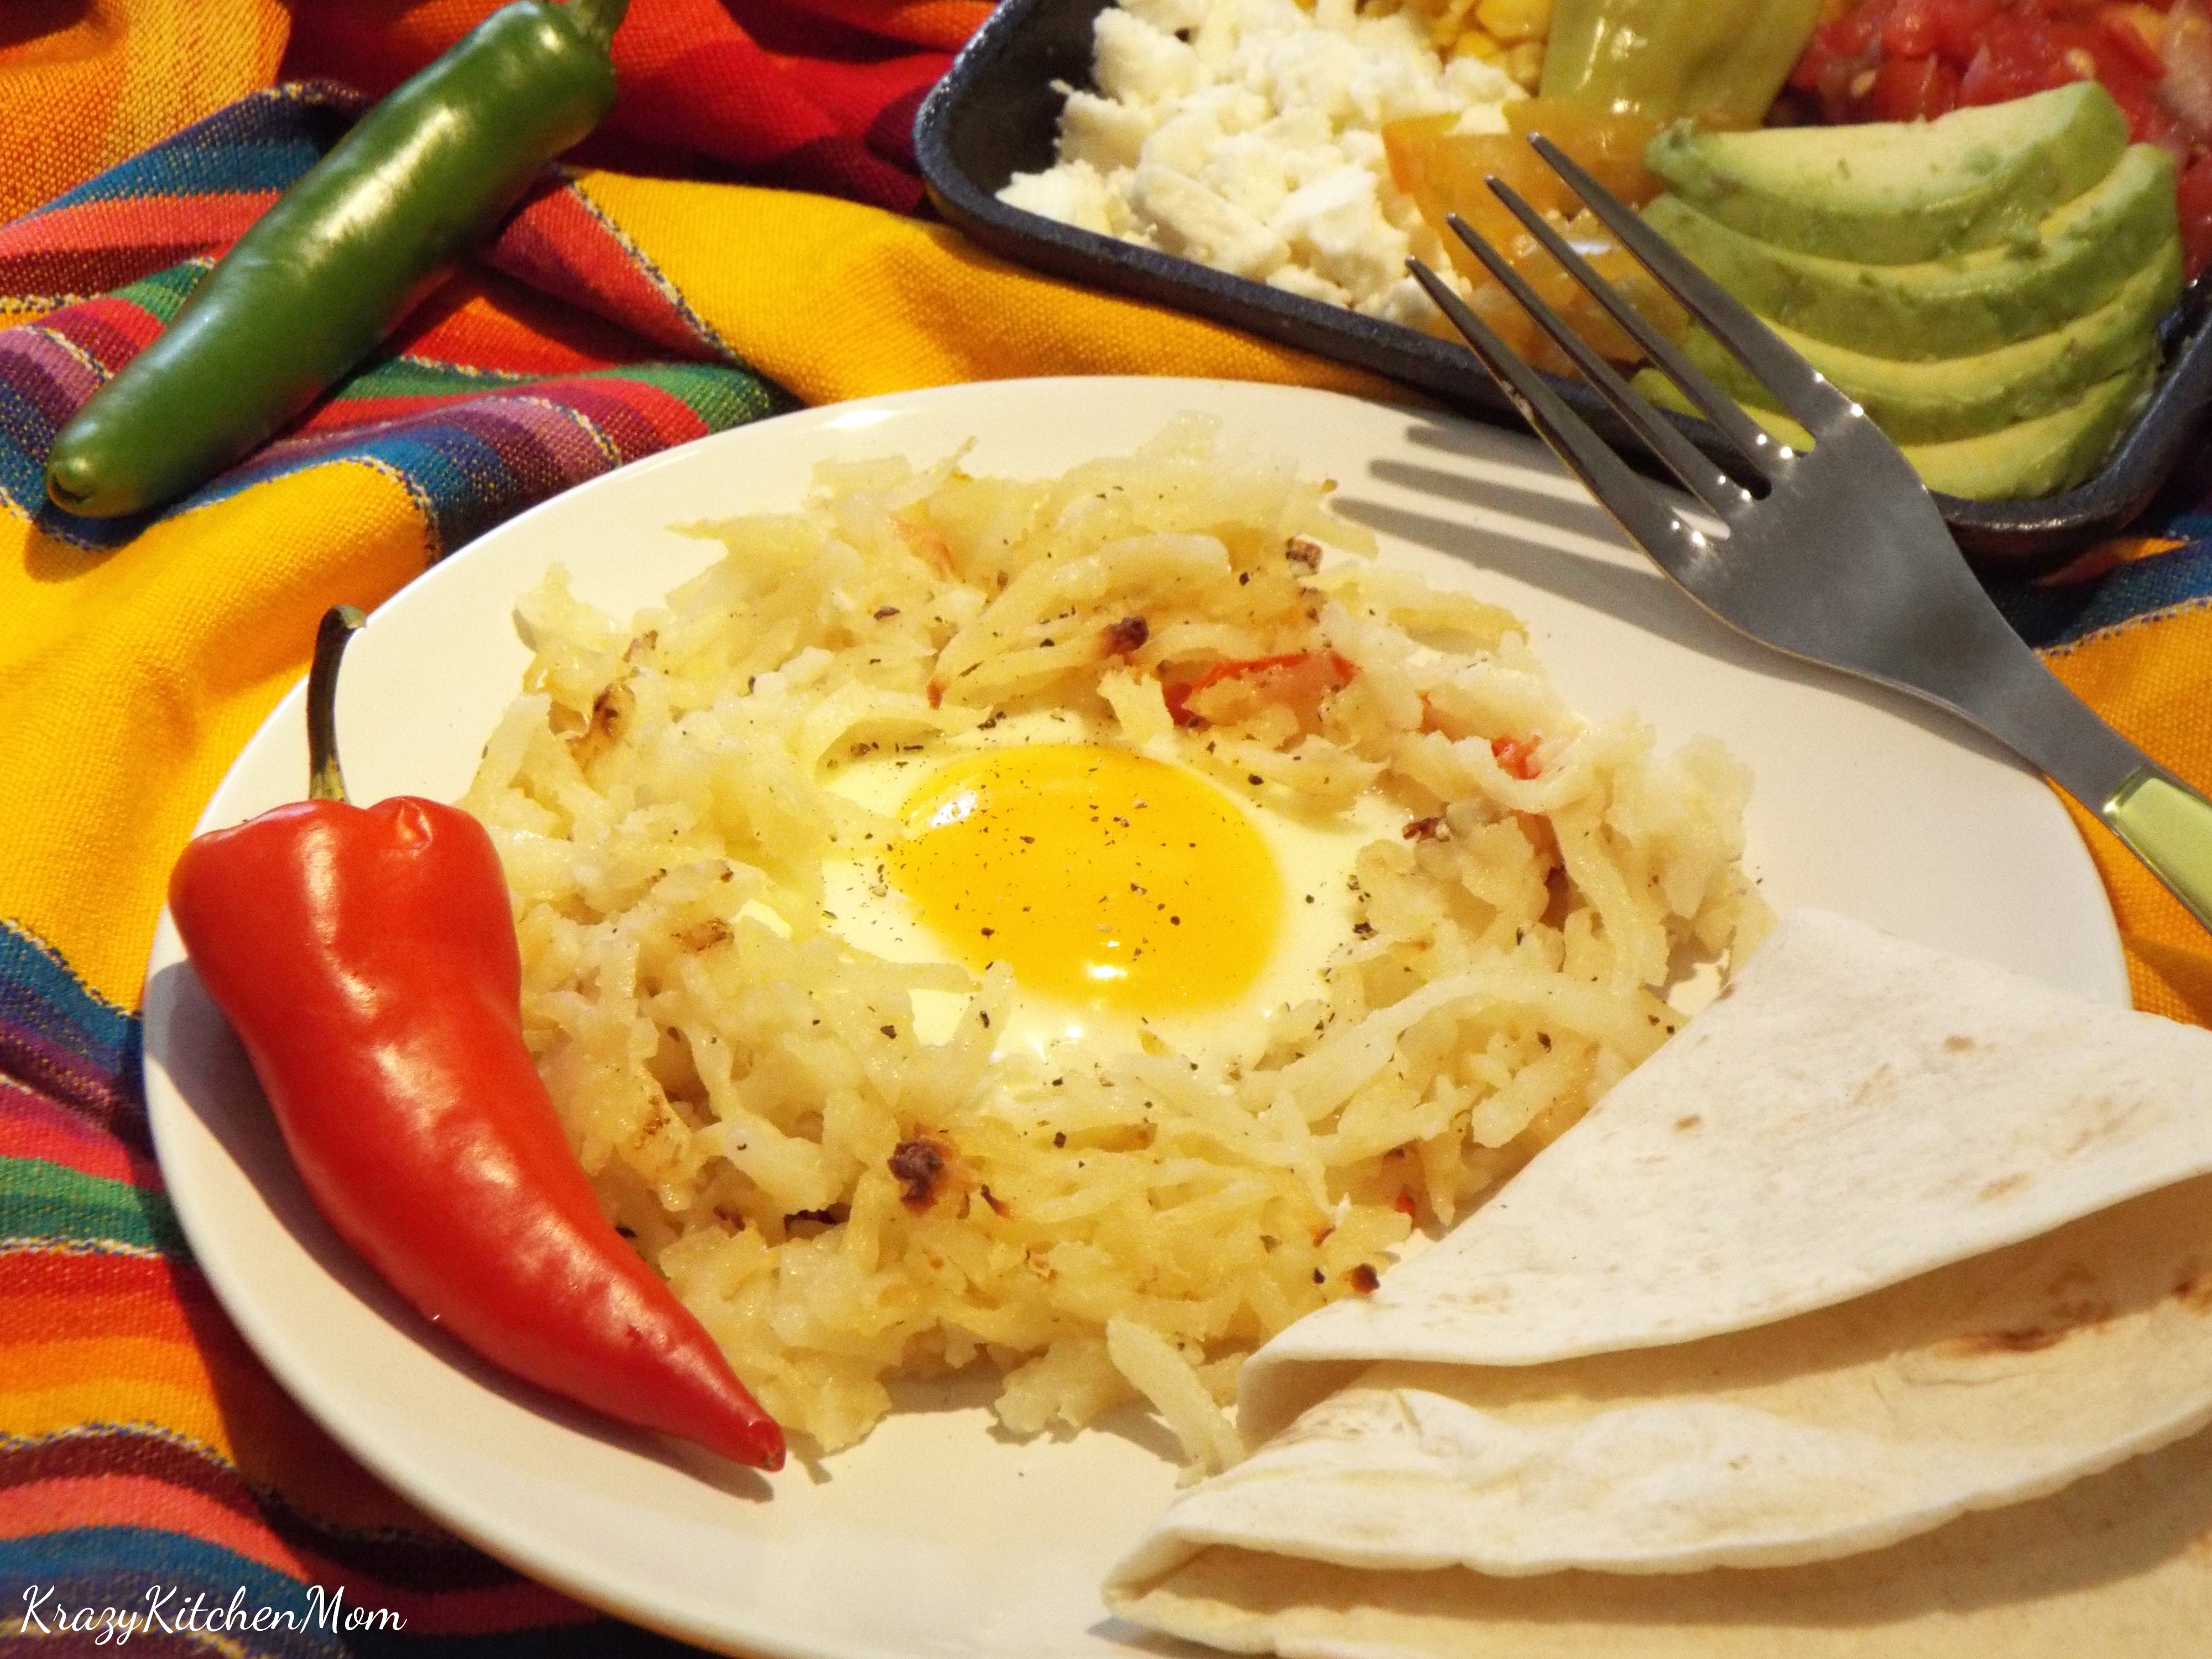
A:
1517	756
1298	679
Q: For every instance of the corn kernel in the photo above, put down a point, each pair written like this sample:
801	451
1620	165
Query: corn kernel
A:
1515	23
1475	44
1525	64
1447	23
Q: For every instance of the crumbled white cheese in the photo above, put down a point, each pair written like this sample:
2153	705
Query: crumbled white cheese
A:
1247	135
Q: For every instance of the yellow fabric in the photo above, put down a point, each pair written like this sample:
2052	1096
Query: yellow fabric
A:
858	302
148	669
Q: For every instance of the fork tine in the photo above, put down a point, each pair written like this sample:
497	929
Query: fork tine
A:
1804	392
1751	440
1706	481
1641	510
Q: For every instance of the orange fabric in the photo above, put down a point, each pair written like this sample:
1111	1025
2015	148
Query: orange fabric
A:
2149	679
85	83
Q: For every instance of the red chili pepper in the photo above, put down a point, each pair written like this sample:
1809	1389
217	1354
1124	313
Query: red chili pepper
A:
367	960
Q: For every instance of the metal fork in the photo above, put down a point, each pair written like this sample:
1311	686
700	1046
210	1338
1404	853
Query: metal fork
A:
1845	560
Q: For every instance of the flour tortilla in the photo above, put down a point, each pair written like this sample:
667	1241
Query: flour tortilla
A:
1855	1111
1990	1381
2118	1567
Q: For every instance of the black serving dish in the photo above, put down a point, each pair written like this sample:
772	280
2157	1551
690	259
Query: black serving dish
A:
997	114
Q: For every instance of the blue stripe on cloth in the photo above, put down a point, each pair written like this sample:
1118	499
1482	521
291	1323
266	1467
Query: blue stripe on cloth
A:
27	430
39	993
2057	615
55	1577
468	471
263	142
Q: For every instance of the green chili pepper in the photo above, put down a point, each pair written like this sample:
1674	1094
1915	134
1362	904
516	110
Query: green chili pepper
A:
319	280
1719	62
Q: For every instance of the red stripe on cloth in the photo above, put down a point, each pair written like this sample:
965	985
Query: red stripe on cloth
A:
123	1500
31	1126
945	24
344	414
110	331
698	95
80	1084
853	95
48	373
560	246
401	1550
103	245
729	100
79	1296
489	322
205	222
638	417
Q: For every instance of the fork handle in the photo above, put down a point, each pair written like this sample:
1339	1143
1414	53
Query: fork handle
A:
1987	674
2168	826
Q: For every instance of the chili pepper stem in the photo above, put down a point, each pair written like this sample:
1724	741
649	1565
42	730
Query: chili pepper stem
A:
324	780
599	19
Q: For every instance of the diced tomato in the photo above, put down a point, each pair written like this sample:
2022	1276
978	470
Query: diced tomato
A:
1856	32
1913	90
2194	199
1959	29
1910	29
1902	60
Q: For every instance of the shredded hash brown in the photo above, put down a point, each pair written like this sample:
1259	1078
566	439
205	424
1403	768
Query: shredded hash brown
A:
844	1204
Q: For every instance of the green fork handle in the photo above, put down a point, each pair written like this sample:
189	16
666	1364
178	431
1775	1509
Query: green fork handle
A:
2168	826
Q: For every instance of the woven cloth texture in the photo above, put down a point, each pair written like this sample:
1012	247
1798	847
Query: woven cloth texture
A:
741	237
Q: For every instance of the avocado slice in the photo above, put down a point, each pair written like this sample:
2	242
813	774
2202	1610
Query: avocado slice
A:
1963	397
2083	253
2041	457
1892	192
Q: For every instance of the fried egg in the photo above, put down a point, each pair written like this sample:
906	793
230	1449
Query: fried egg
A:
1136	903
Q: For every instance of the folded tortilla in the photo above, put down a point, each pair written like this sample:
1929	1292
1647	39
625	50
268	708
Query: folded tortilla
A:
1881	1239
2118	1567
1854	1110
1992	1380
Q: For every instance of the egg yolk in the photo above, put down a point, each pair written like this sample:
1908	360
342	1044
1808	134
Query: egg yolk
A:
1101	877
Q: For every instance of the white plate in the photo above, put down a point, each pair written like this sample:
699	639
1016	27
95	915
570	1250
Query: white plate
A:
935	1536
